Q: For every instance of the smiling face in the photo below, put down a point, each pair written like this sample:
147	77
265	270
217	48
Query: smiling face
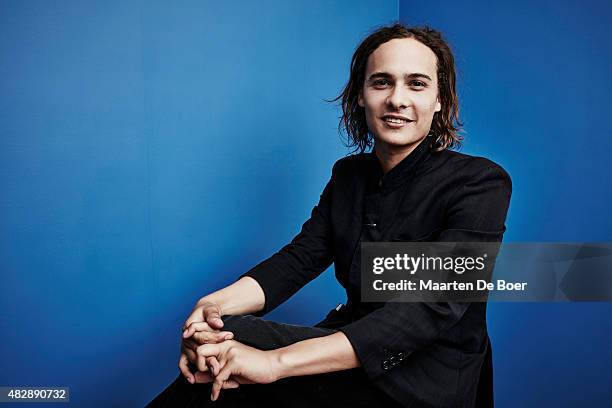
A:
400	94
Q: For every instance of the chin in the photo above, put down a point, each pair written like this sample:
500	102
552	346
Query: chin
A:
398	140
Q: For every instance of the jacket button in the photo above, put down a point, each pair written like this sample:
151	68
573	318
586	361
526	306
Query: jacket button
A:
385	365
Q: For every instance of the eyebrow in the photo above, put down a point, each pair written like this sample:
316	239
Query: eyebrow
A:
387	75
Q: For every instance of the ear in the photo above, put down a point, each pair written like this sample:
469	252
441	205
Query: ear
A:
438	105
360	99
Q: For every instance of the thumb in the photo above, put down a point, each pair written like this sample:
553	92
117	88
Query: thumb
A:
213	317
197	316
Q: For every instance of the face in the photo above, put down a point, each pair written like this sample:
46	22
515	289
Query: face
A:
400	93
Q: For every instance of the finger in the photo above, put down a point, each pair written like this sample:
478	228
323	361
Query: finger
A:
203	337
225	373
213	365
212	315
196	326
205	378
222	377
216	390
190	344
210	350
190	353
184	367
194	317
214	322
200	326
229	384
196	341
204	351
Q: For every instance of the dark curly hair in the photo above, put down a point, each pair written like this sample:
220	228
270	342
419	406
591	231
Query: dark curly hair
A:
445	126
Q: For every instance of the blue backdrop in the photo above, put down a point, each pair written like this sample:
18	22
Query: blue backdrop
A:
534	90
151	152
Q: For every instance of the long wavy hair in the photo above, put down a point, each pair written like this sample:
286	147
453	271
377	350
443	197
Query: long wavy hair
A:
445	126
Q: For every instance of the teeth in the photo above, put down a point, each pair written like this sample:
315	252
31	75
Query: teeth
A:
394	120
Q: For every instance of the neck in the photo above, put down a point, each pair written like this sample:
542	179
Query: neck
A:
389	156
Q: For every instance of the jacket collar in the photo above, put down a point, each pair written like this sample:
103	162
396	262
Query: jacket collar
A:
403	171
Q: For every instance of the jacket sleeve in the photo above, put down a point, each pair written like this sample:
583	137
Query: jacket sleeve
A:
302	260
475	213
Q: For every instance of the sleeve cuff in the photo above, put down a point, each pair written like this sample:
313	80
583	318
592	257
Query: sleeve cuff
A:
371	355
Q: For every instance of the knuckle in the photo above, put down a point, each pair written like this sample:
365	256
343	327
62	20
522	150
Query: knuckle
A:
201	365
203	327
203	335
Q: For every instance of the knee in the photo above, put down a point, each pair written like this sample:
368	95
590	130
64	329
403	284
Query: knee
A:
239	325
233	321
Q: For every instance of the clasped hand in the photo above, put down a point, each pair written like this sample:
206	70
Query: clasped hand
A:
220	359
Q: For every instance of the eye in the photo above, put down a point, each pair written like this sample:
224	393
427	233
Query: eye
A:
381	83
418	84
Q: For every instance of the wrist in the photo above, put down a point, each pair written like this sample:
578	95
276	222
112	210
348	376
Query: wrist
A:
279	364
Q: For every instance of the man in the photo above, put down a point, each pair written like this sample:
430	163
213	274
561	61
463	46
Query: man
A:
401	99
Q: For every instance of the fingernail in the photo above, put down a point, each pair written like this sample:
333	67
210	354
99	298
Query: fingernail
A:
190	380
228	337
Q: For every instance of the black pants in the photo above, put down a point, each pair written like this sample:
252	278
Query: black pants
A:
349	388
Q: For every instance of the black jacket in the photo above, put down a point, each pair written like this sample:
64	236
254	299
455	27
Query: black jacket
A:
421	354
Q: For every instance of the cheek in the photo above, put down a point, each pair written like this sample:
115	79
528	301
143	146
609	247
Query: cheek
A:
373	100
370	117
371	106
434	106
426	108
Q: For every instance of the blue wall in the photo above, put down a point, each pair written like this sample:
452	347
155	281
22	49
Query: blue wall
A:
535	86
149	153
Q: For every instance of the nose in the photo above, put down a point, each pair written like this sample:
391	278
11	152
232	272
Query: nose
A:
398	98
